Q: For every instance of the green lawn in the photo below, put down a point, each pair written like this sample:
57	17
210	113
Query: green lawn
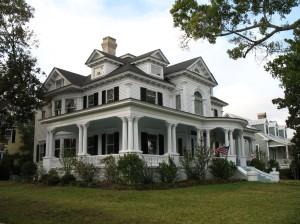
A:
241	202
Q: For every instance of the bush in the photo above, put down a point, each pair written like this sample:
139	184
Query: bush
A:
85	171
222	168
130	168
5	167
258	164
111	174
28	170
168	172
202	157
149	174
273	164
67	179
187	162
285	174
50	178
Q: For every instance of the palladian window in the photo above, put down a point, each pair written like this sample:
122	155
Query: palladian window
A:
198	103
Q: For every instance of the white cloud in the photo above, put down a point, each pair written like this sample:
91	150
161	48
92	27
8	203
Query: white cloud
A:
69	30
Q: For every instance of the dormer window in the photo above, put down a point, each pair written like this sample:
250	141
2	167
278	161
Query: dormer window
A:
99	71
59	83
155	70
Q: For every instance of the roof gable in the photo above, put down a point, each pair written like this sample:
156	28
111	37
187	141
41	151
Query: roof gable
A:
154	55
96	57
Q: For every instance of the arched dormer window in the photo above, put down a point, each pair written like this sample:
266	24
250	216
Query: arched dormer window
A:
198	103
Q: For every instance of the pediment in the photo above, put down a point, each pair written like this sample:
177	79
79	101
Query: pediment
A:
55	80
96	55
199	67
160	56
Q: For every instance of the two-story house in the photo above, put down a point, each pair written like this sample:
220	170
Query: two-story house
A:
138	104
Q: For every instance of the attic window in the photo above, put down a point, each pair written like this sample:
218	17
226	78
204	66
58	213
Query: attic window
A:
155	70
59	83
196	70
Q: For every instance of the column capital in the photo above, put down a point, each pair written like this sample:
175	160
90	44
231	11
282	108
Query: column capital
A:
85	125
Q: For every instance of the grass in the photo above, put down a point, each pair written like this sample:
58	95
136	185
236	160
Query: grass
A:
241	202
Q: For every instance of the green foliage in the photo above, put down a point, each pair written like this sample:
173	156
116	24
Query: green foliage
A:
202	157
27	138
85	171
249	25
222	168
130	168
67	160
51	178
272	163
5	167
168	172
28	170
149	174
258	164
67	179
285	174
111	174
21	91
187	161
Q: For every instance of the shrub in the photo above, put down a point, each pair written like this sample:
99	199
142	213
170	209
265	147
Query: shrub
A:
258	164
130	168
50	178
85	171
67	160
67	179
111	174
149	174
168	172
285	174
272	163
187	161
202	157
222	168
28	170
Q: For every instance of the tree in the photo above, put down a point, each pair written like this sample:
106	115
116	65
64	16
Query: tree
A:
249	24
20	89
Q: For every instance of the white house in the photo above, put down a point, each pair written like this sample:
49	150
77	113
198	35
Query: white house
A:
137	104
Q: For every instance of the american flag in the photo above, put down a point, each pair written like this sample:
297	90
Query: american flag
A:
223	149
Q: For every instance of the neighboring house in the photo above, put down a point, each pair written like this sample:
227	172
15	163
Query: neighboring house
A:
11	142
137	104
271	139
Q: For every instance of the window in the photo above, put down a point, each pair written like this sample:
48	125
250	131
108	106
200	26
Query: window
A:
59	83
70	146
90	100
152	144
178	102
155	70
99	70
70	105
215	111
43	114
110	95
40	151
150	96
198	103
92	145
57	148
57	107
110	143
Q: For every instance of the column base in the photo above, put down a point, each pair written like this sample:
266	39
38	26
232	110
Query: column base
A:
47	163
243	162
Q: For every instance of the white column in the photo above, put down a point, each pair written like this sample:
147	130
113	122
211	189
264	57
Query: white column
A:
174	138
124	133
51	141
84	138
47	144
242	144
130	133
231	142
136	134
208	138
198	136
80	151
287	152
226	137
63	106
169	126
52	108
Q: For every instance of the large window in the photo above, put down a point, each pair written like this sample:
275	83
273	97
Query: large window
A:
151	96
152	144
57	148
57	107
110	95
178	102
70	105
70	146
92	146
110	143
91	100
198	103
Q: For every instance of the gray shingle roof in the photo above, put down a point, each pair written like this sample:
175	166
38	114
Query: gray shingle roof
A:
142	56
180	66
73	78
218	100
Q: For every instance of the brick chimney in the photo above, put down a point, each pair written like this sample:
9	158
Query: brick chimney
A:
109	45
262	115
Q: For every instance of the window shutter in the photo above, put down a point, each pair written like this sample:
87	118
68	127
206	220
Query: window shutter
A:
95	149
159	99
104	97
84	102
44	150
143	94
116	142
116	93
144	142
161	144
37	158
96	99
103	143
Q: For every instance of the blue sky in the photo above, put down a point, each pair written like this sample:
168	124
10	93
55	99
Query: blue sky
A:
69	30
